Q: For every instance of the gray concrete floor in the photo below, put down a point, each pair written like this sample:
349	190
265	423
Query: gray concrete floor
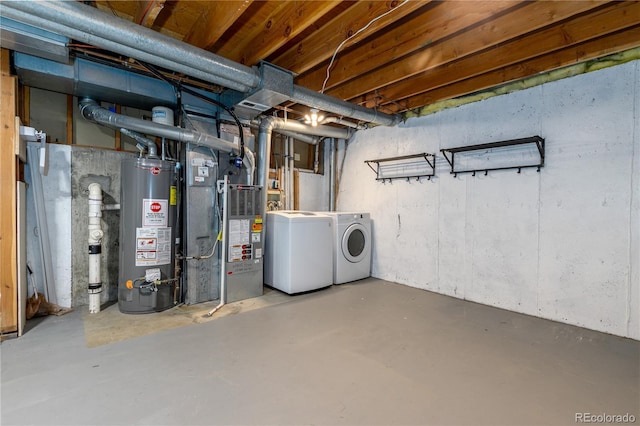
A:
367	353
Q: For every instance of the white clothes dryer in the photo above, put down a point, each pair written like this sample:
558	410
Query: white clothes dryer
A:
351	246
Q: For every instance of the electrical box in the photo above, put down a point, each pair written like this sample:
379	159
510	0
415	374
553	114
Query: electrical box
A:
244	261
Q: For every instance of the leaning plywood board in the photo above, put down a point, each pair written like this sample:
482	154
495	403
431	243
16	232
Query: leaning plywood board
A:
21	194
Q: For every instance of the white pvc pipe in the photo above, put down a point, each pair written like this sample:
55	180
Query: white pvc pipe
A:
223	253
95	246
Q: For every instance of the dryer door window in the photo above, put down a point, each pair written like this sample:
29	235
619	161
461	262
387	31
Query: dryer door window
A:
355	243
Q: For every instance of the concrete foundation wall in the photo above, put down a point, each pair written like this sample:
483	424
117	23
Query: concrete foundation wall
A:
71	170
561	244
89	165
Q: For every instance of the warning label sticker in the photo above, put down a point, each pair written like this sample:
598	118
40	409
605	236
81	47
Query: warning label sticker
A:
155	213
153	246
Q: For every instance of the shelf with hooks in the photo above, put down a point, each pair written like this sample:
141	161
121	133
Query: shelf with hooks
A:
498	152
406	167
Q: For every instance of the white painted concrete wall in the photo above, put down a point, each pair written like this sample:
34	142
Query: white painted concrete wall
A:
561	244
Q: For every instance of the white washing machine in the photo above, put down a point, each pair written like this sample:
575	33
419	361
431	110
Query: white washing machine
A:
298	253
351	246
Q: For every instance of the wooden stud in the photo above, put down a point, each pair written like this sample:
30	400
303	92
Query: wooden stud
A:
8	218
296	189
118	136
69	119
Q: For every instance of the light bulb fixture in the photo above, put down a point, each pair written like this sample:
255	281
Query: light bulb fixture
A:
313	117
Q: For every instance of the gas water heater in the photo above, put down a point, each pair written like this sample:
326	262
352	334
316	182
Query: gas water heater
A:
148	201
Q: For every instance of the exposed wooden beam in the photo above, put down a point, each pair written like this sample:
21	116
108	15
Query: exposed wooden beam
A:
532	16
593	49
612	19
148	11
320	45
439	22
270	28
215	18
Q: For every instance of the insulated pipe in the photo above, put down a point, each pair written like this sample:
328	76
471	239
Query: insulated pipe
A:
290	178
95	246
99	26
89	25
311	140
339	107
268	125
342	122
92	111
332	175
153	149
120	49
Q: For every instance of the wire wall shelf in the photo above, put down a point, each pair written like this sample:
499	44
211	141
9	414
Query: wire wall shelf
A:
406	167
510	154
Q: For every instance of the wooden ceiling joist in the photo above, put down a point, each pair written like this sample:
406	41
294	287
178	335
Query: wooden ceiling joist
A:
215	18
490	35
616	17
316	48
148	11
593	49
434	25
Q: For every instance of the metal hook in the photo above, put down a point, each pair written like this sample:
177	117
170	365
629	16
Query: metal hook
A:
486	172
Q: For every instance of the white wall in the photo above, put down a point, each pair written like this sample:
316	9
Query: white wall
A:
561	244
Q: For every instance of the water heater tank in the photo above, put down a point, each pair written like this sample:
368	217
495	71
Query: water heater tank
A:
147	226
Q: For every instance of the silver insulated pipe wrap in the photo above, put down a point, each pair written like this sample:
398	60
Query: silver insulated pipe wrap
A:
90	25
92	111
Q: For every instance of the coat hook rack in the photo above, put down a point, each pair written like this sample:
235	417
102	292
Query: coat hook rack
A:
450	154
404	167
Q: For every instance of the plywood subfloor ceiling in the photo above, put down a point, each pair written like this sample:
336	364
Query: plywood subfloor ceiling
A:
414	54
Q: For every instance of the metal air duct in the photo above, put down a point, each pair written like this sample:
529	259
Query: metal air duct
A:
89	25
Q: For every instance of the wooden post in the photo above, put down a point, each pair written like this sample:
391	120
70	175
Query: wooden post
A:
8	217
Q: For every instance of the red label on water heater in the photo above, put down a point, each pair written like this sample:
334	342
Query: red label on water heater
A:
155	171
154	213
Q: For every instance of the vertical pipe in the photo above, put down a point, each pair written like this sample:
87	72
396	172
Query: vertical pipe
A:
95	246
292	157
223	252
332	174
285	173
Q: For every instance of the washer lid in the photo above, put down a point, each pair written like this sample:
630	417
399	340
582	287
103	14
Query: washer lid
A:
294	216
355	243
